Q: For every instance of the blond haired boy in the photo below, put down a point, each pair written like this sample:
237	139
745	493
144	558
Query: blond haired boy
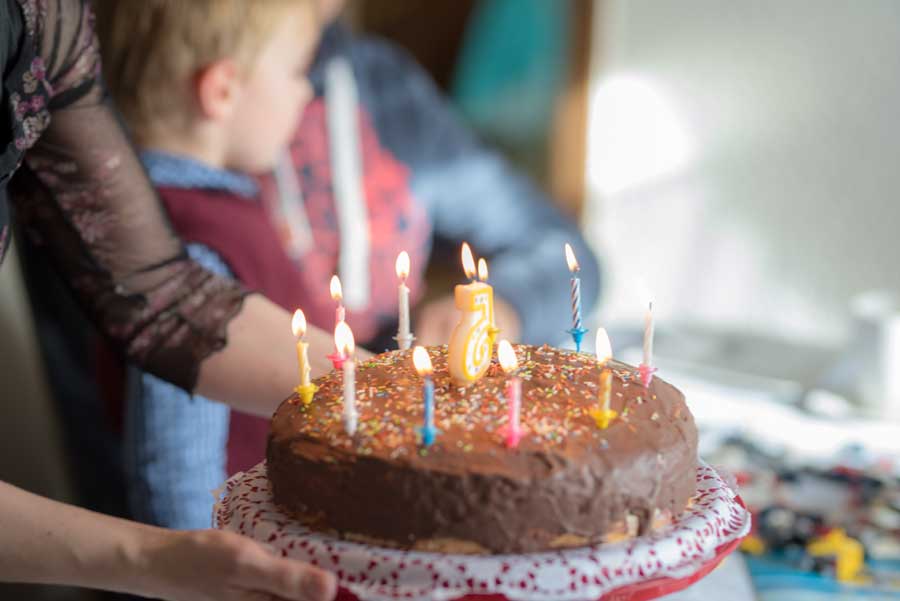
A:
212	91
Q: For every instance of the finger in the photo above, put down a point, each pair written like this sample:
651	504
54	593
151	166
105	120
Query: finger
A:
255	596
294	580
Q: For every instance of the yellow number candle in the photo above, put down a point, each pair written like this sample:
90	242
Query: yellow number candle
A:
603	414
306	389
469	353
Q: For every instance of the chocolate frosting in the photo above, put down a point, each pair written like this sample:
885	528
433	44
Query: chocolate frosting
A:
568	482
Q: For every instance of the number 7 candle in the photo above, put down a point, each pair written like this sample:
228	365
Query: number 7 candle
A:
470	348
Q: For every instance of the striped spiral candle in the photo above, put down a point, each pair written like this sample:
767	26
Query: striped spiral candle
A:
576	287
576	303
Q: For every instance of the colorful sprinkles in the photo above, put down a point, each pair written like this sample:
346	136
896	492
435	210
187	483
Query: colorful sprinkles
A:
559	389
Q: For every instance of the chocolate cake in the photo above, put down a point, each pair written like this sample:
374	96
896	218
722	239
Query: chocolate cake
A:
567	483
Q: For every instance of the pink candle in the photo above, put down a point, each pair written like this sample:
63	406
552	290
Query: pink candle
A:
510	364
646	369
342	334
337	294
514	393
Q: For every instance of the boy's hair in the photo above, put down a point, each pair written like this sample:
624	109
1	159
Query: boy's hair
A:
150	48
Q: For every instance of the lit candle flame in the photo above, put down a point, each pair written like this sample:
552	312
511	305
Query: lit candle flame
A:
298	323
337	292
468	261
603	347
402	266
482	270
422	361
343	339
571	260
507	356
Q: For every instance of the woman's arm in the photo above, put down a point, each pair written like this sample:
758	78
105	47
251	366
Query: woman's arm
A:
48	542
84	197
258	368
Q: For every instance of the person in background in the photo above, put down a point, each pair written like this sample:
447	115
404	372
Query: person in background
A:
378	146
71	181
469	191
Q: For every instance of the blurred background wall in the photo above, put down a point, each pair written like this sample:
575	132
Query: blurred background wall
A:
743	160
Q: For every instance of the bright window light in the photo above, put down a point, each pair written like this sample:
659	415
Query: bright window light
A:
634	135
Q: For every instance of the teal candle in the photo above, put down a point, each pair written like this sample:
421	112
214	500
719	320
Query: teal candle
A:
428	430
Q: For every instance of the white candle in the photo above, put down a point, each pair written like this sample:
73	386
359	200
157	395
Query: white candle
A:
344	337
350	414
404	335
648	336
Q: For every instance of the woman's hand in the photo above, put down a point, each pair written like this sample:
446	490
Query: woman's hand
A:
212	565
48	542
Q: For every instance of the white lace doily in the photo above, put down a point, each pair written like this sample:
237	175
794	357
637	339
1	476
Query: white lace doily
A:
715	520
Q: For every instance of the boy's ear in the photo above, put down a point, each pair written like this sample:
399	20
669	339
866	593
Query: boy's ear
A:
216	89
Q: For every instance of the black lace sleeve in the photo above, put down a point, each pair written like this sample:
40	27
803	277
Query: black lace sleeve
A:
84	197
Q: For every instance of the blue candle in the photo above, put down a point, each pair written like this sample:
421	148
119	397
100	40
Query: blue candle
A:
578	331
428	431
422	362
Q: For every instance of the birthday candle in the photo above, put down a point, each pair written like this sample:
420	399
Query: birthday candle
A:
344	338
404	336
422	363
576	287
604	414
470	348
510	364
337	294
306	389
298	326
340	336
605	387
646	369
648	335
